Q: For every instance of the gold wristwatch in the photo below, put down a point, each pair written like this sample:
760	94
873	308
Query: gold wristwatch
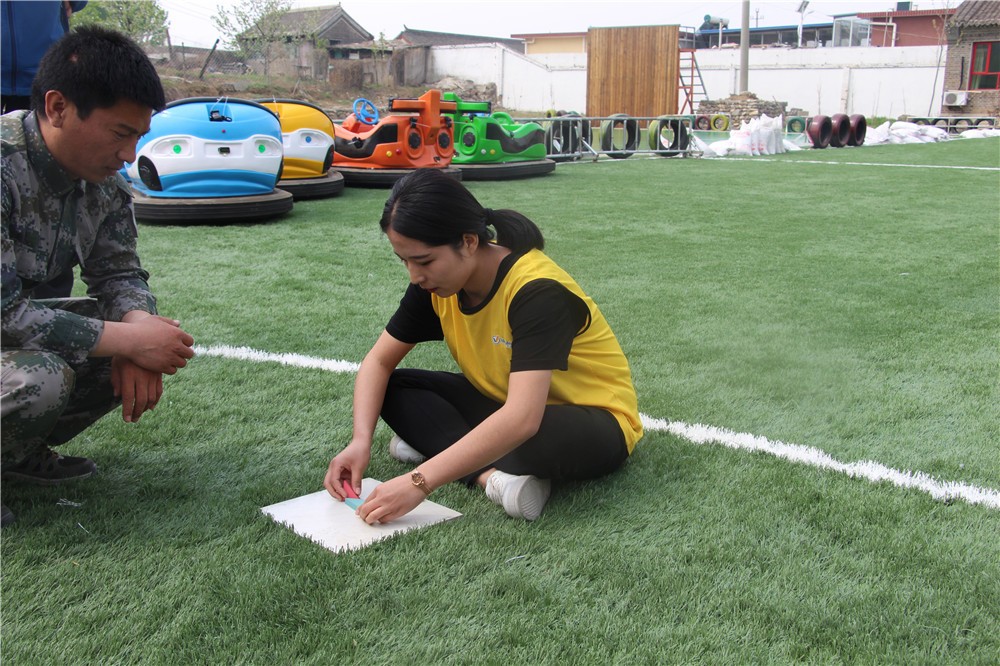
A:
419	481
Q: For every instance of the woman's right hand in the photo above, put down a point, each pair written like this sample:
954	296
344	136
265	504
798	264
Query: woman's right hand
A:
348	466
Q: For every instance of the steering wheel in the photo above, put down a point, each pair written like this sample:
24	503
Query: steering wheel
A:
365	111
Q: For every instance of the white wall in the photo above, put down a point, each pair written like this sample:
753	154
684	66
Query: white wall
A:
523	83
873	81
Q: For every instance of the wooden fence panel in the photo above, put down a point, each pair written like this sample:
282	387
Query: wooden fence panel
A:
632	70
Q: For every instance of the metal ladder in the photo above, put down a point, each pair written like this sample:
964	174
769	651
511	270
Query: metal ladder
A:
689	82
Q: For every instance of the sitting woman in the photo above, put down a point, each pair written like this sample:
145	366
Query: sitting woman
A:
545	393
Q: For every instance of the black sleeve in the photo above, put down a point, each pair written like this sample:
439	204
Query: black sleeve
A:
415	320
545	317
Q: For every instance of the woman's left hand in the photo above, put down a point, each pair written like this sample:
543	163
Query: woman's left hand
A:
390	500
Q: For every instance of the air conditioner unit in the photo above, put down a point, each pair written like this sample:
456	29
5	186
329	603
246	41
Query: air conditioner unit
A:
956	98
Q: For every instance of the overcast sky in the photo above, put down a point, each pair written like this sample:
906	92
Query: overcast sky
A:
191	20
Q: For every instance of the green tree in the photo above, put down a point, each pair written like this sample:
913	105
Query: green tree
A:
253	27
142	20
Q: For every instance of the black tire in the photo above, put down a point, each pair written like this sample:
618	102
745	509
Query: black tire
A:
985	123
820	130
679	138
329	185
361	177
702	123
859	128
507	170
583	126
219	210
961	124
840	133
941	123
565	137
631	128
554	148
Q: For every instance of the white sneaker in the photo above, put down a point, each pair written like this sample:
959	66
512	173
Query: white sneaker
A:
403	452
520	496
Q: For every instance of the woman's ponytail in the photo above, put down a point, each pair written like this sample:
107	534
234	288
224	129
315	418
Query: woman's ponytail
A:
515	231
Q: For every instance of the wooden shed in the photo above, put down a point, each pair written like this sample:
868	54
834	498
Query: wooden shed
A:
632	70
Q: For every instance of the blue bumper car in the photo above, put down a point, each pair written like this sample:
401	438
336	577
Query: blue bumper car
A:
208	159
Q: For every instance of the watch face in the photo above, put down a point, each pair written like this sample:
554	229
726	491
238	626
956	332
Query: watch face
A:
419	481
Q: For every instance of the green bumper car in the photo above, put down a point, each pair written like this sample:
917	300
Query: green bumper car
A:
492	146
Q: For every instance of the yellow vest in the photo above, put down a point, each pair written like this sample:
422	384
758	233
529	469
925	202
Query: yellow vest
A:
598	374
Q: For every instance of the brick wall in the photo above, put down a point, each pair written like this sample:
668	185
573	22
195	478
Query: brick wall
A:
985	103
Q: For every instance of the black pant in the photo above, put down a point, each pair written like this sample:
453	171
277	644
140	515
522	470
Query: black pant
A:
433	410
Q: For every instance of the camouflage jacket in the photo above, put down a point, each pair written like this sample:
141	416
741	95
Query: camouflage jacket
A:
42	237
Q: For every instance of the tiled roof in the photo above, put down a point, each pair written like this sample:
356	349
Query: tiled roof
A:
313	18
430	38
535	35
320	20
910	13
977	13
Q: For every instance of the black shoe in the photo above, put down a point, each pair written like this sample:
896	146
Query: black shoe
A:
6	516
48	468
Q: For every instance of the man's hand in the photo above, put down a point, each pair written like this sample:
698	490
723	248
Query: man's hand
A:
155	343
161	345
139	389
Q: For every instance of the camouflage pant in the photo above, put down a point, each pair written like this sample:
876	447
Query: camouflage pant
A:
46	401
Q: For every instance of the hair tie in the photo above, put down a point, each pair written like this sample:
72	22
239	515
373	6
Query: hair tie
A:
490	229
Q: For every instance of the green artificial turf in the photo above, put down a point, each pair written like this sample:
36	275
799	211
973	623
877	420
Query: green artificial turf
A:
851	308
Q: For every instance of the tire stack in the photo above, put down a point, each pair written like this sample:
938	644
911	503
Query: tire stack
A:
955	124
834	131
566	136
670	136
628	128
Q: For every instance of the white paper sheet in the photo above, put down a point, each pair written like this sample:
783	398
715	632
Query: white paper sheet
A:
335	526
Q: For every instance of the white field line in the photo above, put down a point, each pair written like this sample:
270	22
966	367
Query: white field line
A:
297	360
808	455
875	164
587	159
699	434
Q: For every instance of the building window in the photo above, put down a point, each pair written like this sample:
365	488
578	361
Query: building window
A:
852	32
985	74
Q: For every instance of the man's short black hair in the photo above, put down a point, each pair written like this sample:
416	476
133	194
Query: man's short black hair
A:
95	68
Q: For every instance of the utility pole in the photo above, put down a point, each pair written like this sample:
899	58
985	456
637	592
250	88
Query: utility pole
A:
802	15
745	48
